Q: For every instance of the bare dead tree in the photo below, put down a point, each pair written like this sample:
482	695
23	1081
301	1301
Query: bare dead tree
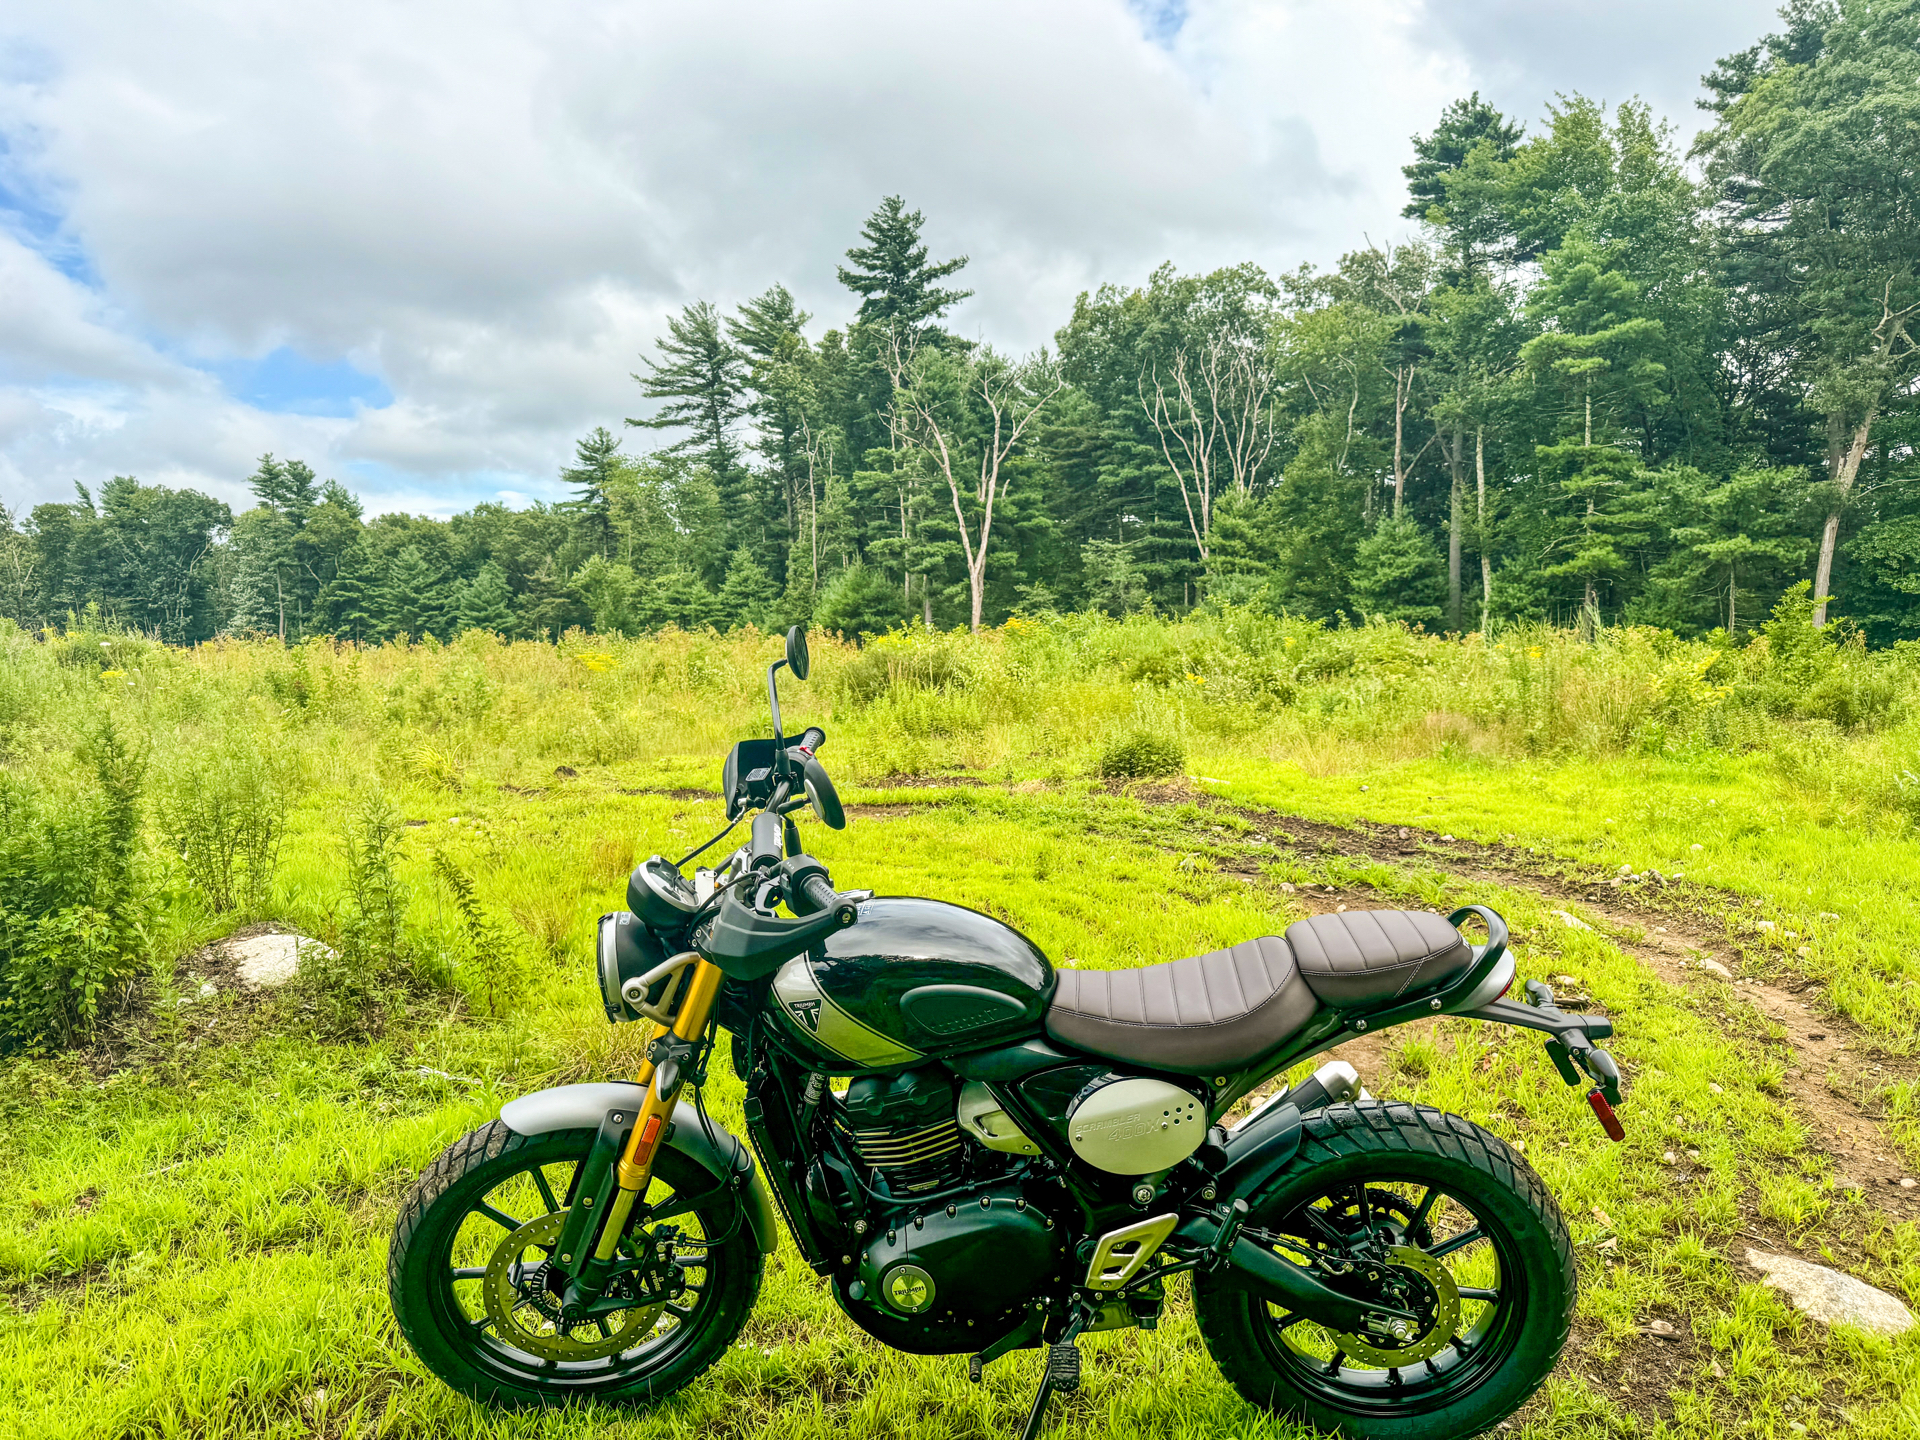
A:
1219	419
1848	444
970	451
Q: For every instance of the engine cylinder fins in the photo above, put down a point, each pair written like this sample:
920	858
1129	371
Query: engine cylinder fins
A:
1136	1126
911	1161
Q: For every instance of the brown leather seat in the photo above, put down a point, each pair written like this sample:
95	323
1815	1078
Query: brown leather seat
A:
1357	958
1224	1010
1194	1016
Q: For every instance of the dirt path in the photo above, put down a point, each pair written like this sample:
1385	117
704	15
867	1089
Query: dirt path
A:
1832	1061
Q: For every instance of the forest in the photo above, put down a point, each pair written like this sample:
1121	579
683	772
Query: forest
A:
1607	383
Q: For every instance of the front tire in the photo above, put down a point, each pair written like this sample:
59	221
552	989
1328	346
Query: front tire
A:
1464	1233
467	1286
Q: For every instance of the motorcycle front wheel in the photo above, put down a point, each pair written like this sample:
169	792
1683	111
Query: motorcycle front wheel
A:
1429	1214
476	1290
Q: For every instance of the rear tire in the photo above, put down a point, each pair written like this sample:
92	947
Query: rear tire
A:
442	1240
1374	1165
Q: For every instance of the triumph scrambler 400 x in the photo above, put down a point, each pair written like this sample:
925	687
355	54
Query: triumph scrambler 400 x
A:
980	1154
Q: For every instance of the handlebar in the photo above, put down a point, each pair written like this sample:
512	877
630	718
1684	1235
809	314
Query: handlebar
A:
812	739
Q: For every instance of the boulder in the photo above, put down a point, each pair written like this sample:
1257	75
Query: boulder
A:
1832	1296
263	962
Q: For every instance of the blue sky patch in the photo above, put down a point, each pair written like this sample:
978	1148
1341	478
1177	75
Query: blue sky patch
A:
285	382
1161	20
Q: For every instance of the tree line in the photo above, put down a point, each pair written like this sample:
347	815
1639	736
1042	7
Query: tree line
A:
1598	387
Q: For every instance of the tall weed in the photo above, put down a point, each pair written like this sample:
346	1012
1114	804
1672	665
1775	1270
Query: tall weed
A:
370	957
225	815
490	959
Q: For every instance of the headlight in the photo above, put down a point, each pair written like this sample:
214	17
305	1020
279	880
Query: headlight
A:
626	950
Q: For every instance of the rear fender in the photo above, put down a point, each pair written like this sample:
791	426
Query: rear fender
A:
585	1107
1256	1151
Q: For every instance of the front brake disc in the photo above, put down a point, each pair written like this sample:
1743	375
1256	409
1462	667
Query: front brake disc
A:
527	1316
1440	1328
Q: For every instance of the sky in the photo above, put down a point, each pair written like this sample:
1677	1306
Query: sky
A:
423	247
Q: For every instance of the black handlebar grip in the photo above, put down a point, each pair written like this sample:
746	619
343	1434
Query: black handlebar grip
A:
812	739
820	893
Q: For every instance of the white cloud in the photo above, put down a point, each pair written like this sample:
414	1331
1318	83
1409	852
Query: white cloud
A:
493	206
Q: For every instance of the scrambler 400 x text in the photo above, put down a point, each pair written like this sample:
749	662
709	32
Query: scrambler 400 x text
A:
980	1154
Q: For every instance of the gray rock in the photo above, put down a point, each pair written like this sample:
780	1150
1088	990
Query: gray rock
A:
1832	1297
1715	968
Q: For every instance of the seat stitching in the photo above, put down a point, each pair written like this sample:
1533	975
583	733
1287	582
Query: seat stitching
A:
1207	995
1161	1025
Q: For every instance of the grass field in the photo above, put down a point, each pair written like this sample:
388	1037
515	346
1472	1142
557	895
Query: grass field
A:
202	1191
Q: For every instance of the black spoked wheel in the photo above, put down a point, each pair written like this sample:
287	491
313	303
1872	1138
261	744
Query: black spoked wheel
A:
477	1288
1426	1214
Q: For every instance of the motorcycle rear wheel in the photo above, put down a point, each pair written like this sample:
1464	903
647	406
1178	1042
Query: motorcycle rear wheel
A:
1465	1233
476	1301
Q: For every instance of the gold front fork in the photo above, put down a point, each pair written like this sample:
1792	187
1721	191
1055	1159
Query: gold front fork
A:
637	1161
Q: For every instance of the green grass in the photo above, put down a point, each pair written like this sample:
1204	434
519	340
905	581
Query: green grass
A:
199	1208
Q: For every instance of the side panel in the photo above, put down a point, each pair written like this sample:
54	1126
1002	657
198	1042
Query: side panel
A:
585	1106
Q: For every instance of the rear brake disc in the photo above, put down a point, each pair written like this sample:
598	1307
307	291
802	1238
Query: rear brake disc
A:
1440	1328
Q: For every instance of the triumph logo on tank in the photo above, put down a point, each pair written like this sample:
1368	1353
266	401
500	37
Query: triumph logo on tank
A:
809	1013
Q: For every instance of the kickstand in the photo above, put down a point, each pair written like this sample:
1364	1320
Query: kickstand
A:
1063	1374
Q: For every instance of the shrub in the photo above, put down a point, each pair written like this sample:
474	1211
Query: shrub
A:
370	954
912	659
1140	752
73	909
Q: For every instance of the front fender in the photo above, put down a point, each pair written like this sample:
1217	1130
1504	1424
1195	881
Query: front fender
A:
585	1106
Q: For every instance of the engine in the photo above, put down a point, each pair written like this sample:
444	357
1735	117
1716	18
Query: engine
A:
905	1127
958	1243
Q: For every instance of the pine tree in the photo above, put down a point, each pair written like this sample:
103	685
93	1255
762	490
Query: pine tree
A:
860	602
703	379
349	603
1472	139
892	276
747	595
594	475
548	605
414	600
487	602
260	561
1398	574
1602	520
287	487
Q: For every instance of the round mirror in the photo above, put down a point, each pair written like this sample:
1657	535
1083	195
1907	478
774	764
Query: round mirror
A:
797	652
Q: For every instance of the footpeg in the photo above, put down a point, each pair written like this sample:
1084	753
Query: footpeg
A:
1064	1367
1062	1373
